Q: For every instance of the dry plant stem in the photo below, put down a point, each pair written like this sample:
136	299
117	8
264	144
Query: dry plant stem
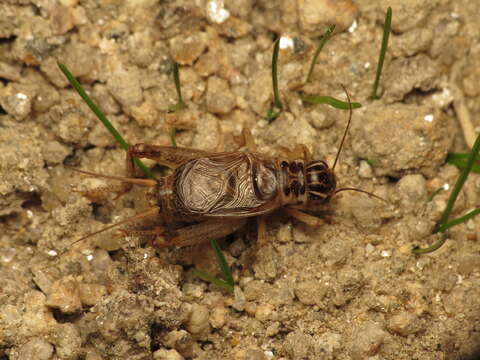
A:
460	107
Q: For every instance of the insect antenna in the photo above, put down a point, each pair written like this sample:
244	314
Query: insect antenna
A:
149	213
359	190
142	182
346	129
340	149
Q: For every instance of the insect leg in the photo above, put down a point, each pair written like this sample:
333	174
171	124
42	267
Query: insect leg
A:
304	217
246	139
300	152
169	156
262	238
204	231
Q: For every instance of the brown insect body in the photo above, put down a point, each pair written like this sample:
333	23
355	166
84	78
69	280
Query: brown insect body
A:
210	195
241	184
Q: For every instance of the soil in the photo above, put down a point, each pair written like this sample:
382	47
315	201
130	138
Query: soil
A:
348	289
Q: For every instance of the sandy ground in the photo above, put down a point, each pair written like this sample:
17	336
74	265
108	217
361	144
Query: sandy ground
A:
349	289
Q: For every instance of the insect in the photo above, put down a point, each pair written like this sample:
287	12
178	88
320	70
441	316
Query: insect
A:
211	195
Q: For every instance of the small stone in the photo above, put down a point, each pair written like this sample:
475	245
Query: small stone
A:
468	262
250	308
208	135
366	340
54	152
198	323
207	64
219	98
234	27
255	290
237	247
412	190
284	234
17	99
316	15
273	329
164	354
124	85
445	280
186	49
145	114
299	345
321	119
264	312
36	348
328	345
64	295
365	170
218	317
90	294
47	97
405	324
239	299
310	292
67	341
407	74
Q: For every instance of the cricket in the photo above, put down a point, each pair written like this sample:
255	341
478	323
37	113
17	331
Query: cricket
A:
211	195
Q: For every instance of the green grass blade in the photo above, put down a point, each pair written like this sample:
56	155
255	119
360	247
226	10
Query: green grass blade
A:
173	137
176	79
325	37
459	220
338	104
76	85
383	51
442	223
277	104
435	193
225	269
207	277
417	250
460	161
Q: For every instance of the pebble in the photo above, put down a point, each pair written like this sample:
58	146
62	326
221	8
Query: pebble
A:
207	64
16	99
250	354
316	15
124	85
264	312
36	348
310	292
239	300
164	354
412	190
65	296
37	317
218	317
468	263
198	322
284	234
186	49
299	345
273	329
405	324
67	341
90	294
219	99
328	345
365	170
366	340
